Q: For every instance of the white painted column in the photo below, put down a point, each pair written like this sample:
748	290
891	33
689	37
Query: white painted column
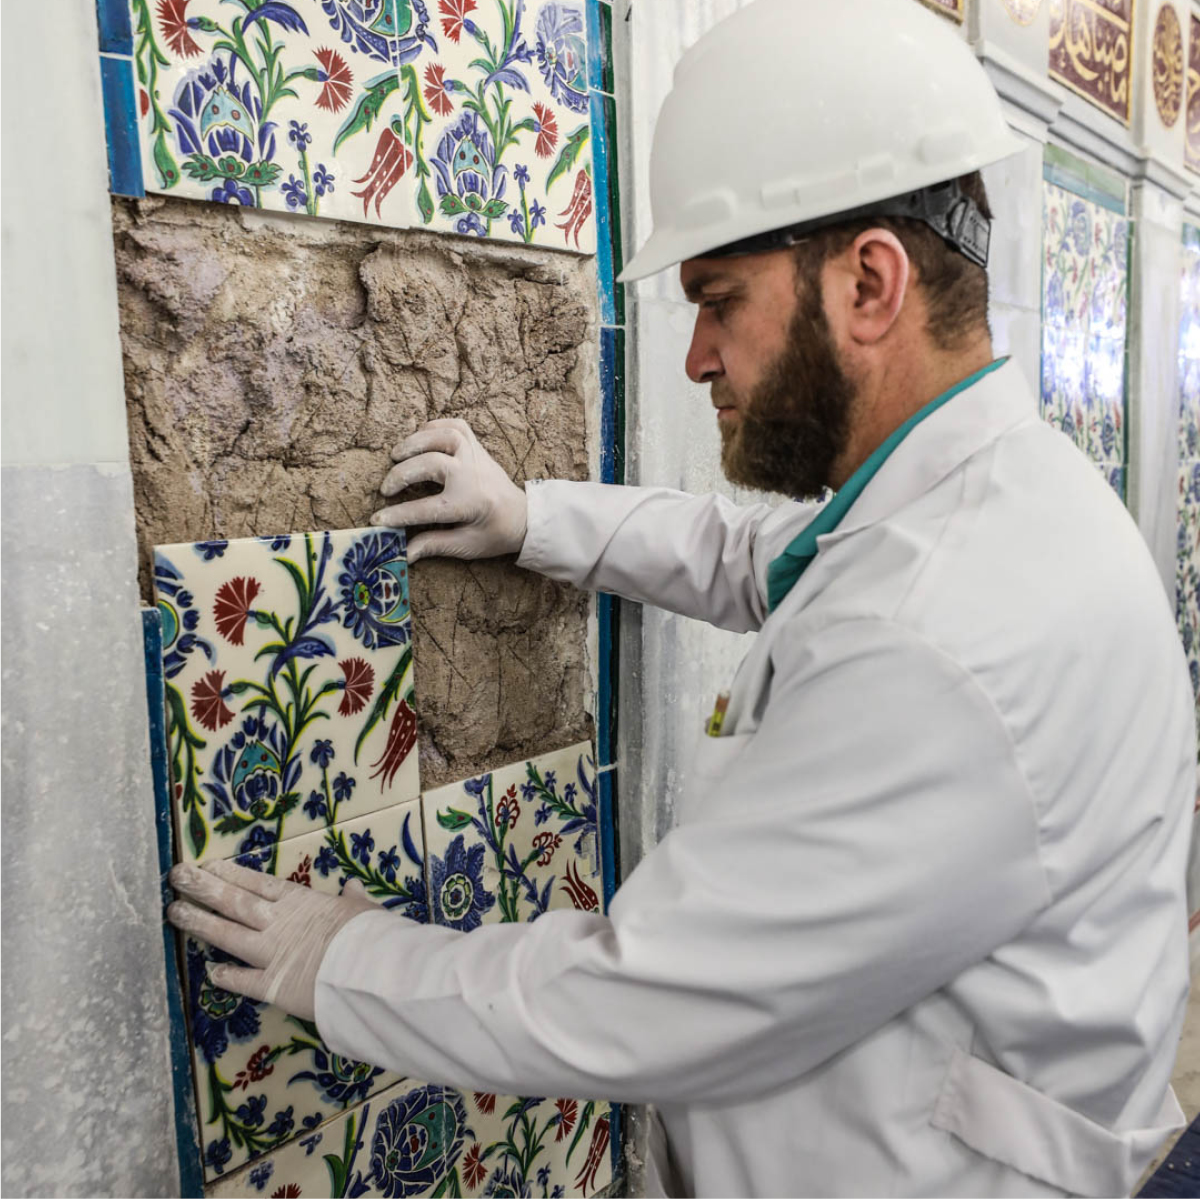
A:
87	1107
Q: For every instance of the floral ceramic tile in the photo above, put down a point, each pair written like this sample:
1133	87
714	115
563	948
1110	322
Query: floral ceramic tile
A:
534	1147
1187	571
1084	302
1189	347
265	1078
515	843
299	106
396	1144
503	149
289	685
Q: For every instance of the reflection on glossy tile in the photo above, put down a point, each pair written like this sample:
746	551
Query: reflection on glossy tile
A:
502	148
515	843
1084	307
1189	346
291	106
289	685
265	1078
401	1142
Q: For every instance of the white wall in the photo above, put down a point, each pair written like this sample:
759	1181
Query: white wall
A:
87	1107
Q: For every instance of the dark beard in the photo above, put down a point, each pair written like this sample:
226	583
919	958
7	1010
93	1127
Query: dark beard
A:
796	423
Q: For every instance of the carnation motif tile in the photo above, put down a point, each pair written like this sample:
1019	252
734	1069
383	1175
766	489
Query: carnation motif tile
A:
502	148
516	842
389	1146
265	1078
1084	305
298	106
534	1147
289	684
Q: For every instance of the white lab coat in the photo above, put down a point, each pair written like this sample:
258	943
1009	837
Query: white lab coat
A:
921	928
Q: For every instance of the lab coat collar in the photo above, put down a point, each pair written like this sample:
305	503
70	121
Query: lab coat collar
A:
940	444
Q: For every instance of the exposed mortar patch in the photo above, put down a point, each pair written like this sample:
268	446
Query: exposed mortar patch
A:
270	365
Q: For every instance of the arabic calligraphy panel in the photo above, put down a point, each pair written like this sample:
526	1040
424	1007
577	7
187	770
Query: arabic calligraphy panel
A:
1191	152
1168	65
1090	51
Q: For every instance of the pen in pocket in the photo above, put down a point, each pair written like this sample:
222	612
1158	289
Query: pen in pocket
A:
713	728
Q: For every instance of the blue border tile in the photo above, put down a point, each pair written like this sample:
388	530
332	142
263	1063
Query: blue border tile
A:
599	45
116	30
120	123
187	1124
604	224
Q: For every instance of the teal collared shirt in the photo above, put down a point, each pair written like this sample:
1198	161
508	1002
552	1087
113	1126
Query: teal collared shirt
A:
785	570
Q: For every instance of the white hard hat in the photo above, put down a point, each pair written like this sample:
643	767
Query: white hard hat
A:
791	111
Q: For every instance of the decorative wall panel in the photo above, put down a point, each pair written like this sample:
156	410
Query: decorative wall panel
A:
1187	579
1085	279
1091	51
1191	151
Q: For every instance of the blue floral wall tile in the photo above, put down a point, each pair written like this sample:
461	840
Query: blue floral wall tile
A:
396	1144
502	149
293	105
288	666
265	1078
1084	308
509	846
1187	574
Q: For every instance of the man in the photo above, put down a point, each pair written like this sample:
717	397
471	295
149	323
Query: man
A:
920	929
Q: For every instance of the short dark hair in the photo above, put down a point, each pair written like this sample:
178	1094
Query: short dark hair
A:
956	290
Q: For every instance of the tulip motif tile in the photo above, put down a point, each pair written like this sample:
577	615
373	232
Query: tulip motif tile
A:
289	683
1085	274
265	1078
505	150
516	842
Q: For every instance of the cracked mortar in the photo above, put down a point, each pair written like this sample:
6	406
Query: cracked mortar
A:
270	365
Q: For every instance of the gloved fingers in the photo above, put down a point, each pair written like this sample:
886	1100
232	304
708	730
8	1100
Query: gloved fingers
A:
437	435
244	980
447	544
243	943
429	510
269	887
430	467
229	898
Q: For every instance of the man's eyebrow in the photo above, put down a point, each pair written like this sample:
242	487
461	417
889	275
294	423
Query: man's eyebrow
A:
694	287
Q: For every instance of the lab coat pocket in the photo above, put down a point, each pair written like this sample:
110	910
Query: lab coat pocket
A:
712	764
1008	1121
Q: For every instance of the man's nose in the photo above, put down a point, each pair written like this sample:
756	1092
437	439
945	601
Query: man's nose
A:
703	363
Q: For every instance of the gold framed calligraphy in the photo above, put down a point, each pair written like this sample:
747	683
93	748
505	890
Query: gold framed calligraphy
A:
1191	147
1024	12
948	8
1167	65
1091	51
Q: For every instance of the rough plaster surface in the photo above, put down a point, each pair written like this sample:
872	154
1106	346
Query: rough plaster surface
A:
270	365
87	1107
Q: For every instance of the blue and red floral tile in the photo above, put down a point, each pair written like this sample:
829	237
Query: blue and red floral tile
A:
469	116
287	667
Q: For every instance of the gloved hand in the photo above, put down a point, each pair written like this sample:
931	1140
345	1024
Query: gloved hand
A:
486	510
281	929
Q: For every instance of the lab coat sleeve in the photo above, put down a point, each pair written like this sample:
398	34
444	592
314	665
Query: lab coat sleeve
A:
701	556
873	839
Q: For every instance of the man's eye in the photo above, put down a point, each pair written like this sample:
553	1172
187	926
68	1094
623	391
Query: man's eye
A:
716	304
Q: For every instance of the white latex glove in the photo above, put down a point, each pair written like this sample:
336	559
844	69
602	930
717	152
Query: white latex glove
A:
484	509
281	929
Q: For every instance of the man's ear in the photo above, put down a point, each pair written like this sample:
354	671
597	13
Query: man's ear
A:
874	277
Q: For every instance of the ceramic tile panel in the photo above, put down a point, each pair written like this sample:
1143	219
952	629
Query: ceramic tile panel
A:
516	842
533	1147
1187	572
263	1077
502	145
288	665
294	106
1084	319
1091	51
1189	347
392	1145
